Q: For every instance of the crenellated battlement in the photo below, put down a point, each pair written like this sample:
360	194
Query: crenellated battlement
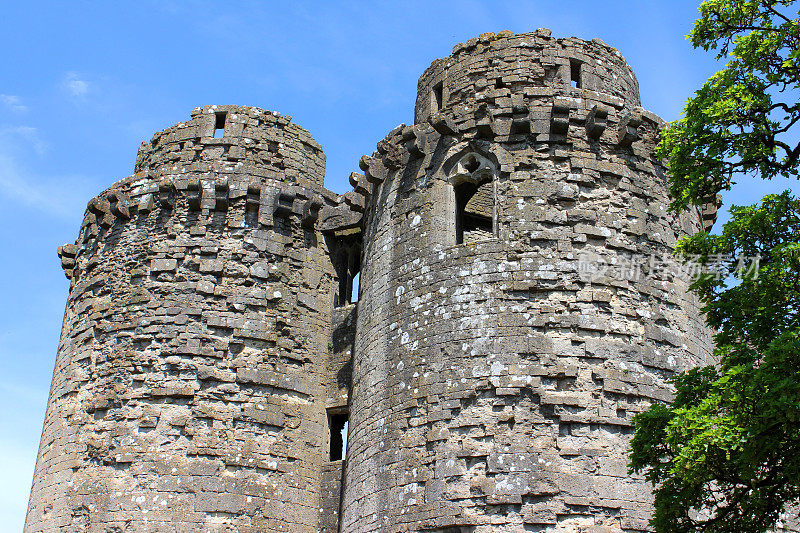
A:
261	168
237	204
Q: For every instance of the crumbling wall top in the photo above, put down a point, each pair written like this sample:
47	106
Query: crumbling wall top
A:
227	139
504	64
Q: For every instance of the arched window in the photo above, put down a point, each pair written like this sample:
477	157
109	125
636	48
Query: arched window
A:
474	187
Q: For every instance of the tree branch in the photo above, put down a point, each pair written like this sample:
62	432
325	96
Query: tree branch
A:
776	12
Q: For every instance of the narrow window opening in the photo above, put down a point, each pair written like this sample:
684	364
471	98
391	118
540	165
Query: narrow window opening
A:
575	73
437	96
348	269
337	424
342	274
354	291
219	125
474	212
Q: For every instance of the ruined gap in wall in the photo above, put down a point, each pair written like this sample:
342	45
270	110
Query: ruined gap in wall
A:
575	73
219	124
341	294
337	425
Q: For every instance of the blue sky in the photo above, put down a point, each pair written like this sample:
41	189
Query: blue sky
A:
83	83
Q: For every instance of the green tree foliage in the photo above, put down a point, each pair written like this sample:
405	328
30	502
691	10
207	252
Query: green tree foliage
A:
729	443
739	122
724	455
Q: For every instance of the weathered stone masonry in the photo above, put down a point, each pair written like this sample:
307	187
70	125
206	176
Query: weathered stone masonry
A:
210	350
194	353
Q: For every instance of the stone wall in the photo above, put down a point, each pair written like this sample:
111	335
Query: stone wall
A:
190	382
495	381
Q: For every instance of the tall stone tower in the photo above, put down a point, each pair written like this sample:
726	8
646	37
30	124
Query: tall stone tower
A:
191	379
494	378
514	315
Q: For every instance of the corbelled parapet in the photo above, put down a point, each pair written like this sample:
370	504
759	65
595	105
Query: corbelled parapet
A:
261	166
413	148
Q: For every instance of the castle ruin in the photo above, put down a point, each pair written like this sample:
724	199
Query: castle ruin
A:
212	350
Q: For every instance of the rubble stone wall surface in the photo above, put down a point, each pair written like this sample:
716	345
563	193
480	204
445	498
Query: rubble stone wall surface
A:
494	381
186	393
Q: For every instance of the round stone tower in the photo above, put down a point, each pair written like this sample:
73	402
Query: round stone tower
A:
187	389
518	307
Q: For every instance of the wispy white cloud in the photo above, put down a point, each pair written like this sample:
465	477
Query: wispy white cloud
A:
23	135
75	85
55	195
13	103
19	186
49	195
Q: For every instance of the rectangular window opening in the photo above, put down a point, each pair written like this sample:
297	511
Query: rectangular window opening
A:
337	425
474	212
437	96
219	125
575	73
348	269
354	288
